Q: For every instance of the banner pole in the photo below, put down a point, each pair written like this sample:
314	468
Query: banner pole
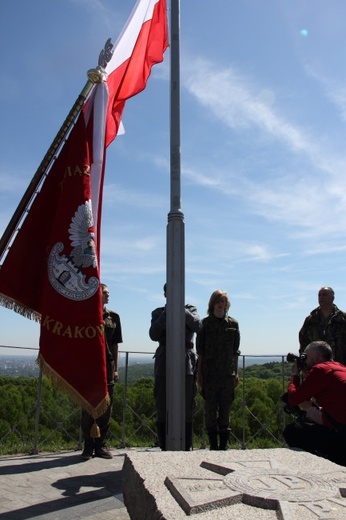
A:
95	76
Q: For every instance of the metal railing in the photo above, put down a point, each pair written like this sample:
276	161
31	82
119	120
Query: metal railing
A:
242	412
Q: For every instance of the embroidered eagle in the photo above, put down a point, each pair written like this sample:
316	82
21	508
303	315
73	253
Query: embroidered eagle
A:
83	253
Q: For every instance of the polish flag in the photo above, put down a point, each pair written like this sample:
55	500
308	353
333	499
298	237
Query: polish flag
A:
141	45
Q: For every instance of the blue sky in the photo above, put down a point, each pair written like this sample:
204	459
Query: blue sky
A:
263	113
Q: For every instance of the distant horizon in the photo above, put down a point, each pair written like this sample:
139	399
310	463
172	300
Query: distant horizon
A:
142	358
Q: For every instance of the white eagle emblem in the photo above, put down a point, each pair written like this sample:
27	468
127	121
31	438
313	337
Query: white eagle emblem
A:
65	272
83	254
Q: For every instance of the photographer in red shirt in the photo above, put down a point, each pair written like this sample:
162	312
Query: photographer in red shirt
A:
323	396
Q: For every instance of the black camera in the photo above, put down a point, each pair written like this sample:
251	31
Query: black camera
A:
301	360
297	413
294	411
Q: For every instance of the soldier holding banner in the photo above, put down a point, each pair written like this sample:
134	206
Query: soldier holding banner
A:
113	336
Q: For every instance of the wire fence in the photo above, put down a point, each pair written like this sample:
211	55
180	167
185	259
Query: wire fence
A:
51	420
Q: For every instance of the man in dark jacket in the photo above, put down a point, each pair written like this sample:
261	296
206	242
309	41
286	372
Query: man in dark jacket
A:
325	323
157	332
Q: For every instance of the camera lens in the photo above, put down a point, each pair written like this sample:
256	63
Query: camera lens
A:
291	357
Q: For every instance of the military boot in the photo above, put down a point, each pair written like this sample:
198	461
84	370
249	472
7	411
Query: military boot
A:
213	441
188	436
224	437
88	451
161	434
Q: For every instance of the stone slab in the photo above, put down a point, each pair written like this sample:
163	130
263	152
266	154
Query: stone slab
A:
280	484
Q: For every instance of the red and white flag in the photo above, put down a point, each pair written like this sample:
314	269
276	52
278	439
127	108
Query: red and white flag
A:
52	271
141	45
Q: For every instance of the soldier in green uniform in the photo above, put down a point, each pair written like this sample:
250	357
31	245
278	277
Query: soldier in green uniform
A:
157	332
325	323
113	336
218	350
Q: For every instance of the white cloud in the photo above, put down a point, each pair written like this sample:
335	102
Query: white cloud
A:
233	100
334	91
338	96
309	195
128	242
116	194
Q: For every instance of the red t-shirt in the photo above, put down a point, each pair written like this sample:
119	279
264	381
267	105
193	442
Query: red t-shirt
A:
326	382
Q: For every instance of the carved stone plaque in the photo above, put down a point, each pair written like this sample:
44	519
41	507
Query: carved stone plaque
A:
261	484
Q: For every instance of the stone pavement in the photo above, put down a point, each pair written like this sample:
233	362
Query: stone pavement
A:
61	486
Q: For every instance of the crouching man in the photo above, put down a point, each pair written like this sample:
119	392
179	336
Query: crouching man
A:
322	395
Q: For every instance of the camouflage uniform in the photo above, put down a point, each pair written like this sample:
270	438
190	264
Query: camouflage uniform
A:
332	330
218	344
157	332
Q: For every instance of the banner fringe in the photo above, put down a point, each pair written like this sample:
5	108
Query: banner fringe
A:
75	396
19	308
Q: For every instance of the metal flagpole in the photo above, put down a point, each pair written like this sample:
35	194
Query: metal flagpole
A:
175	333
95	76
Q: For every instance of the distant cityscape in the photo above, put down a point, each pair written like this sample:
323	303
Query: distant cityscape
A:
18	366
26	366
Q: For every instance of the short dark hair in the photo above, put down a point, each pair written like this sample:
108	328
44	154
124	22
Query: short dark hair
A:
329	289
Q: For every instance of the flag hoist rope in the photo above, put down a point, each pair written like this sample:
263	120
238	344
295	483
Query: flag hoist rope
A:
95	75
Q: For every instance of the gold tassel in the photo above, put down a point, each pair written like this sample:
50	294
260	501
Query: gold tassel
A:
95	431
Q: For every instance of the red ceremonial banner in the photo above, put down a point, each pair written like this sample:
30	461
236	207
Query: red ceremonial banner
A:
51	271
